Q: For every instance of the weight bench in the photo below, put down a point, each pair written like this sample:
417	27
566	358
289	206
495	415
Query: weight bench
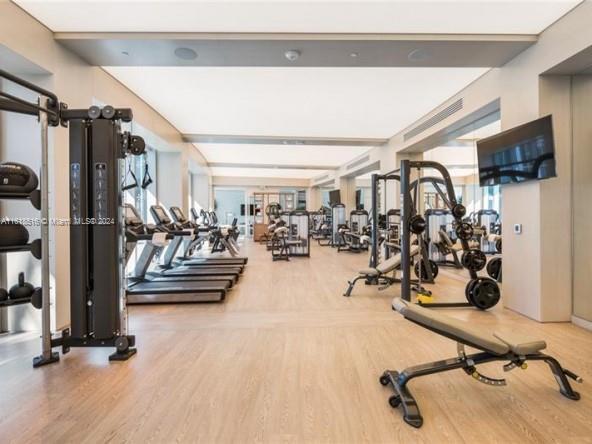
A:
512	348
379	274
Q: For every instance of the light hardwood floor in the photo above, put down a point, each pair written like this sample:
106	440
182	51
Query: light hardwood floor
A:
287	358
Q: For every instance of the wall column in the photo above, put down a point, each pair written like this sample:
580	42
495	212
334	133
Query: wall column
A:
537	262
347	189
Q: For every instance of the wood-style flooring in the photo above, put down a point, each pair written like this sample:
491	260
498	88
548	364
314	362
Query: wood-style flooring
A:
287	358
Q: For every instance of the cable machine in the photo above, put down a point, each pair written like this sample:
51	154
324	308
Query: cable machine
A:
98	147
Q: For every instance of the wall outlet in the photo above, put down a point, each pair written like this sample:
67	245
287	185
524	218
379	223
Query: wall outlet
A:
517	228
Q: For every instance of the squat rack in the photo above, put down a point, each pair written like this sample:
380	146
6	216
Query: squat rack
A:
408	210
376	178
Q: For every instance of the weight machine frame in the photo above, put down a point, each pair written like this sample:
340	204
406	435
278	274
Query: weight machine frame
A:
408	210
95	193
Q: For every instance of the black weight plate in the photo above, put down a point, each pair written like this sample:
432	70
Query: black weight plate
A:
417	224
494	268
498	245
459	211
435	269
464	231
474	260
424	273
485	294
469	290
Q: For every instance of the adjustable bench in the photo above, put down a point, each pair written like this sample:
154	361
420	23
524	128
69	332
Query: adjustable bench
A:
512	348
379	274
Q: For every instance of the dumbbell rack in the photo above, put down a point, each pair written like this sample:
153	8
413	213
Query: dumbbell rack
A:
47	111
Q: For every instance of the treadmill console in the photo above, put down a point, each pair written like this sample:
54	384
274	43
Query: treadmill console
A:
159	214
131	216
178	215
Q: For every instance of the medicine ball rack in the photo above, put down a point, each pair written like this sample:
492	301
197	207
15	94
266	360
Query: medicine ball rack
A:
47	110
98	146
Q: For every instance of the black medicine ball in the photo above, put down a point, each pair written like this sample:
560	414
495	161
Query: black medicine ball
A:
17	178
12	234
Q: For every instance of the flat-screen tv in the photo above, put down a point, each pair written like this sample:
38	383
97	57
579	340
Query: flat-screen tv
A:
334	197
526	152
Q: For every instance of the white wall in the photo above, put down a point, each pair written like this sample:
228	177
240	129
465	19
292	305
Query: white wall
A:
200	191
169	192
582	210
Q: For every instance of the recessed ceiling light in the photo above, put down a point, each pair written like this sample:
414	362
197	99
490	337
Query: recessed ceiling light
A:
353	54
125	53
418	55
186	53
292	54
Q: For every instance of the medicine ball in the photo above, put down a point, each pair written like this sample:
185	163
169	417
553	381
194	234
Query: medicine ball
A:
17	178
13	234
3	294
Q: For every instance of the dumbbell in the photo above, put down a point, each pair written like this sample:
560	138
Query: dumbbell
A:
3	294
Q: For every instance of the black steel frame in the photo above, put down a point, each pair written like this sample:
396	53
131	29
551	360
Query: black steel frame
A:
410	409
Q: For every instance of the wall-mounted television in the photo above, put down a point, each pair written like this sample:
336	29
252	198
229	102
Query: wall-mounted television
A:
526	152
334	197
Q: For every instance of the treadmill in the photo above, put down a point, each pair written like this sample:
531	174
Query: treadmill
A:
167	268
142	289
186	259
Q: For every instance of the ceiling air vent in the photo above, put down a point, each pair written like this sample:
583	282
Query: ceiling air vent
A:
358	162
436	118
318	179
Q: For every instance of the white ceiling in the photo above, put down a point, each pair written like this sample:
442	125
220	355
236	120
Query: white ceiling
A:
266	172
410	16
299	102
295	102
320	155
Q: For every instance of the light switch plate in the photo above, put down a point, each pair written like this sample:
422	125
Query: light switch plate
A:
517	228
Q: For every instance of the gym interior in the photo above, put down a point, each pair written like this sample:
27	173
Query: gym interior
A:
336	222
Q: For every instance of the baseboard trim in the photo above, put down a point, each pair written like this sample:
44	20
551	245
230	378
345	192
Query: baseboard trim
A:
581	322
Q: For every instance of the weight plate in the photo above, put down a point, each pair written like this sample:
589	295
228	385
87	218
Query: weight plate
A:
494	268
424	273
417	224
469	291
464	231
459	211
474	260
485	294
